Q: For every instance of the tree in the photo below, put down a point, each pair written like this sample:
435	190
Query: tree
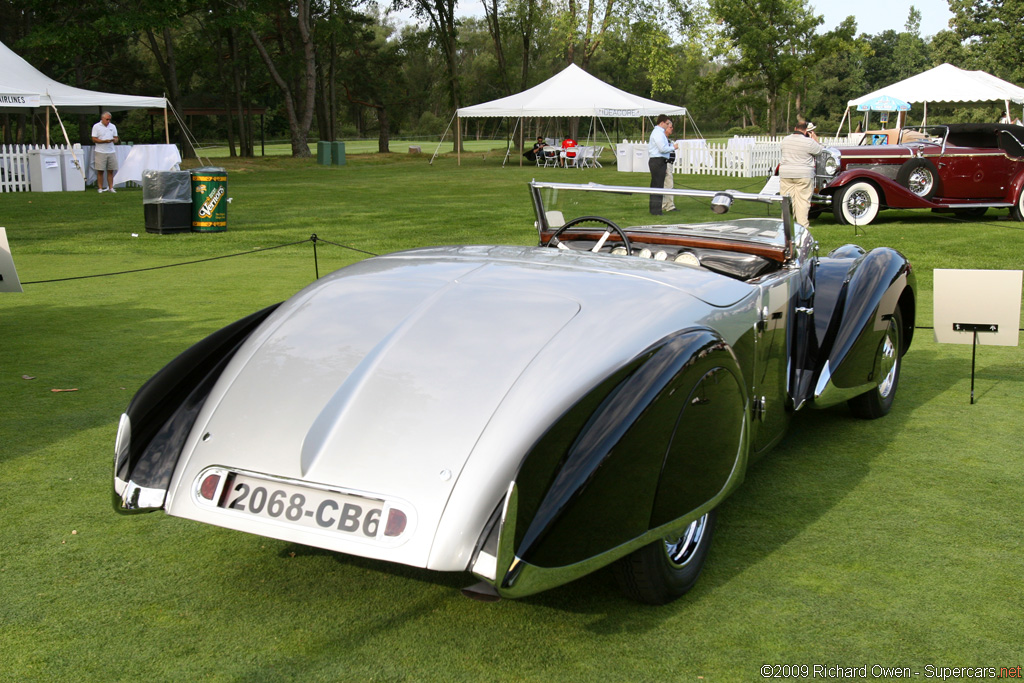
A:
994	34
287	27
770	41
582	29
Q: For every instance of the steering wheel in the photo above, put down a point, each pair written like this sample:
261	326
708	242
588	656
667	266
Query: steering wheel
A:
554	242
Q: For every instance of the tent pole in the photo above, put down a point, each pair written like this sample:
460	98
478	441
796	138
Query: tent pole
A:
521	137
167	128
458	138
840	129
441	141
47	127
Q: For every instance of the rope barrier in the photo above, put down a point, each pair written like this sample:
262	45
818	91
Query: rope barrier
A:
312	238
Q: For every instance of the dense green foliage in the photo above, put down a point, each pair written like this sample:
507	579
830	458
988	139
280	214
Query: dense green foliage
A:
336	69
894	542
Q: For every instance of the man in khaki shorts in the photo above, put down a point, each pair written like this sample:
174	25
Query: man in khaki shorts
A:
104	156
796	172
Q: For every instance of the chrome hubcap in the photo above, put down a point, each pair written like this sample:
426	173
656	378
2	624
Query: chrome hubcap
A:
858	203
681	550
887	365
920	181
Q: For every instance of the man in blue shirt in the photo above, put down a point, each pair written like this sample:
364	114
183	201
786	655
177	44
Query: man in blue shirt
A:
658	151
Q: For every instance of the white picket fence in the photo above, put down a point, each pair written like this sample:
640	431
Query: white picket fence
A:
743	157
14	176
15	173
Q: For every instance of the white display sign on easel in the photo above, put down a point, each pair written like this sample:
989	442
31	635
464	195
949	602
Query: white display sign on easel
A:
977	307
9	281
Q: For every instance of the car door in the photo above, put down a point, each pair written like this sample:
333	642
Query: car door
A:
771	368
973	173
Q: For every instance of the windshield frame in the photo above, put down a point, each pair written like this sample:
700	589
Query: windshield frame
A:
784	202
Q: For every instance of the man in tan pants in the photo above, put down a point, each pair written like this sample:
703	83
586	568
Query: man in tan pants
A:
796	172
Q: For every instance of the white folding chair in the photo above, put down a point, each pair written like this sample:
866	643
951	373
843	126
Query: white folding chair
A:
585	157
597	155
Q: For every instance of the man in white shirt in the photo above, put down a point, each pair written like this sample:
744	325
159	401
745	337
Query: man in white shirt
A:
104	156
796	172
658	151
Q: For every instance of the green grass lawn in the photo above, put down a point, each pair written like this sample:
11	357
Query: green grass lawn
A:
895	542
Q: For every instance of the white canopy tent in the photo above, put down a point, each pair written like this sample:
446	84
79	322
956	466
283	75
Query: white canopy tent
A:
947	83
571	92
23	87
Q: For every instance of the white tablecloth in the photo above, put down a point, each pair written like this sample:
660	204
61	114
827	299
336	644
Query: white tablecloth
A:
146	158
90	173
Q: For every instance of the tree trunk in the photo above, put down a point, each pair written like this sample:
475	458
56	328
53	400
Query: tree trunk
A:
384	139
300	119
167	62
494	28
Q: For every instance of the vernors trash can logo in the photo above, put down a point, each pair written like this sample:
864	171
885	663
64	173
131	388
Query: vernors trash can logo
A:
210	205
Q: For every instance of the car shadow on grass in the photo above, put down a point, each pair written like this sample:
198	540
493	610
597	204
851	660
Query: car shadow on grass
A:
824	457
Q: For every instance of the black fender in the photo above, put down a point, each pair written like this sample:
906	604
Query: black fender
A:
160	416
656	441
856	293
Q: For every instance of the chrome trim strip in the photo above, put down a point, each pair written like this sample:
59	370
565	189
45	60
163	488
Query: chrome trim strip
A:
827	394
137	498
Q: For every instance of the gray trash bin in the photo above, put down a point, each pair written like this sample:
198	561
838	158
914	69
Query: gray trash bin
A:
167	201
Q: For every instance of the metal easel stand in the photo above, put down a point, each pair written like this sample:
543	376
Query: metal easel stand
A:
975	328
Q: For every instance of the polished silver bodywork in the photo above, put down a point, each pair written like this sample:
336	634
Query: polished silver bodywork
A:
422	380
437	370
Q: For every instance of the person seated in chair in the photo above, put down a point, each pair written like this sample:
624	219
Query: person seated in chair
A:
535	152
568	151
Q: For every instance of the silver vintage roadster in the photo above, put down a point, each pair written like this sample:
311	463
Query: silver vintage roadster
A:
527	414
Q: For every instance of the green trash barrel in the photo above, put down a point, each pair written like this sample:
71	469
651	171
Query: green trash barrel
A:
209	199
338	153
323	153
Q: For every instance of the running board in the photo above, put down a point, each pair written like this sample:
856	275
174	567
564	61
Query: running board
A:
993	205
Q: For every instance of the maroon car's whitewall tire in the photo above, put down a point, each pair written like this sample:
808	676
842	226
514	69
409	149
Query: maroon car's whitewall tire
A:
856	204
1017	212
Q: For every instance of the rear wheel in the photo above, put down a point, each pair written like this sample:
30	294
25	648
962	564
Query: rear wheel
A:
976	212
856	203
878	402
666	569
1017	212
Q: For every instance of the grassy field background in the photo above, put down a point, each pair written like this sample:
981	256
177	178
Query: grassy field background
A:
892	543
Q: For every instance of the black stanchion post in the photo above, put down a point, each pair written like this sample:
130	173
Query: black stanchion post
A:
974	353
316	263
975	328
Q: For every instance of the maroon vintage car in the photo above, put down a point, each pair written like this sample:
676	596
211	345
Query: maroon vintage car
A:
964	168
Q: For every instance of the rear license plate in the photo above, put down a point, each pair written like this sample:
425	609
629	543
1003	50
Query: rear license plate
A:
310	507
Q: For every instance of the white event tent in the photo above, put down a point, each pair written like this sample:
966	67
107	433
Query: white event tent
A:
23	87
571	92
947	83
